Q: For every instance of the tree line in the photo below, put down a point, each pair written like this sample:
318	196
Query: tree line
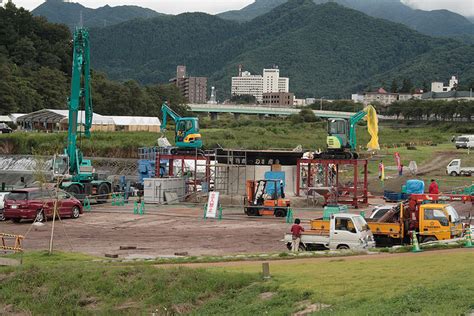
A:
35	71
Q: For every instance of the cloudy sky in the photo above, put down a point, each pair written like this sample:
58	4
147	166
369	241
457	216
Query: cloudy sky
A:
464	7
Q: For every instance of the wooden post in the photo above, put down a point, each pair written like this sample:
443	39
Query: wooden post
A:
266	271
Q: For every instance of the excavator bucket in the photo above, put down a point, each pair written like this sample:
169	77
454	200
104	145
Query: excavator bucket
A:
373	128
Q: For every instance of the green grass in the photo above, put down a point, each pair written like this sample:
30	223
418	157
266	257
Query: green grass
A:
249	133
430	284
68	283
73	284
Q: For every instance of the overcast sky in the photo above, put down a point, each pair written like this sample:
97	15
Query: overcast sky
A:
464	7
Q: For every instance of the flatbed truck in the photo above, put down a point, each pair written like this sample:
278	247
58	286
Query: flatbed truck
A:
428	215
341	231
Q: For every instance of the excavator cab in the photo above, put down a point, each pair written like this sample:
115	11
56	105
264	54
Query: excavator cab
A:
187	133
338	133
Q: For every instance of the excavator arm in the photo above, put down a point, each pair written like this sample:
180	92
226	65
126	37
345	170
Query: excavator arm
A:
167	111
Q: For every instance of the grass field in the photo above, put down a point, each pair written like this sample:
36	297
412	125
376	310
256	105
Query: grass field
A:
431	283
244	133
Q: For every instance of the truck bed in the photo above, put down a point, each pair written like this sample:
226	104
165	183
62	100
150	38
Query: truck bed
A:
390	229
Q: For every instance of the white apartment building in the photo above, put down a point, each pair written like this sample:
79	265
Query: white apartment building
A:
440	87
257	85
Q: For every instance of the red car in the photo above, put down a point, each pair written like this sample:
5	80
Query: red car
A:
37	203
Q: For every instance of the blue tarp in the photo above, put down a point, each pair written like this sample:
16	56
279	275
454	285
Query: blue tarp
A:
415	187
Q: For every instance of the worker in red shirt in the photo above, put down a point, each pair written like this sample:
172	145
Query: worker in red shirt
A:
296	230
433	189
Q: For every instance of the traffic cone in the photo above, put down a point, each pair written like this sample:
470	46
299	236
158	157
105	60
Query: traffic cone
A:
468	243
414	243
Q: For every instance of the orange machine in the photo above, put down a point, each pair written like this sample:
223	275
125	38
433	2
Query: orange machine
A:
266	197
429	215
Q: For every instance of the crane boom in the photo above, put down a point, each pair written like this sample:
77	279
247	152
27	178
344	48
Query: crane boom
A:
76	175
80	96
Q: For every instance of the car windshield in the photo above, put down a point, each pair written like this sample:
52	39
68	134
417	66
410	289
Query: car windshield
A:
380	212
360	223
17	196
453	213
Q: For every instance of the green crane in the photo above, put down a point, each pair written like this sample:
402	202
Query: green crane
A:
342	141
76	174
187	134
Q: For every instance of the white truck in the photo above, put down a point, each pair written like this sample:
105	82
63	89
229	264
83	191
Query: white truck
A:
454	169
342	231
464	141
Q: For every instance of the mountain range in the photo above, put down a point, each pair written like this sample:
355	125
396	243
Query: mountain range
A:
69	13
326	50
434	23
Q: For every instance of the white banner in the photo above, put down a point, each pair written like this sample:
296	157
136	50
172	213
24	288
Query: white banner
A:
212	205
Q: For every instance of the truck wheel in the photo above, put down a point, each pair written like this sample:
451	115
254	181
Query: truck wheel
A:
103	192
75	190
253	211
280	212
342	247
453	174
428	239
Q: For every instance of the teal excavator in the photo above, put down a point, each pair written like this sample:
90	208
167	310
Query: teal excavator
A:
187	136
75	174
342	141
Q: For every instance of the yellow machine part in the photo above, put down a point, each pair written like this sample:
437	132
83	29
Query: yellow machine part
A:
373	128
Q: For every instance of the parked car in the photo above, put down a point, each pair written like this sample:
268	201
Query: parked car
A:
380	211
2	204
36	203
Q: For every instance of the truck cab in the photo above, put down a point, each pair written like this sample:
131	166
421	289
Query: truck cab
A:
342	231
438	222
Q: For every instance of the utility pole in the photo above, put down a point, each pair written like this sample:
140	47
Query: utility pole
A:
321	105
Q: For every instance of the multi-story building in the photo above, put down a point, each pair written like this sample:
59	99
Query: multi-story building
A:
194	89
283	99
440	87
248	84
381	96
257	85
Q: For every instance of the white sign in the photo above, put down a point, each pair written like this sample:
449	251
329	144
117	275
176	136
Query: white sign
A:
212	205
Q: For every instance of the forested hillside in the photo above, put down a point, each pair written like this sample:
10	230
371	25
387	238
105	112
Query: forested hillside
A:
434	23
326	50
69	13
35	63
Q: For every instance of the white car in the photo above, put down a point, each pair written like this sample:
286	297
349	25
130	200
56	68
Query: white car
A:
380	211
2	204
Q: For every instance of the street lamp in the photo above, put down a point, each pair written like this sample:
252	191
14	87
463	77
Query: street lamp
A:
321	105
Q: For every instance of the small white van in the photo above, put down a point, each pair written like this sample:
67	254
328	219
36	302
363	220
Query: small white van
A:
464	141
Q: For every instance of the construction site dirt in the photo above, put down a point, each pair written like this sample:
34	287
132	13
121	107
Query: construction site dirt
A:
163	231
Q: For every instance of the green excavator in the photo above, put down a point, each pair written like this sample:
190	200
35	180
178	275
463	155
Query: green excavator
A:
187	136
342	141
75	174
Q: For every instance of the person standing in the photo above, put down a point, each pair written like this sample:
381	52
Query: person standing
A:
433	189
296	230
